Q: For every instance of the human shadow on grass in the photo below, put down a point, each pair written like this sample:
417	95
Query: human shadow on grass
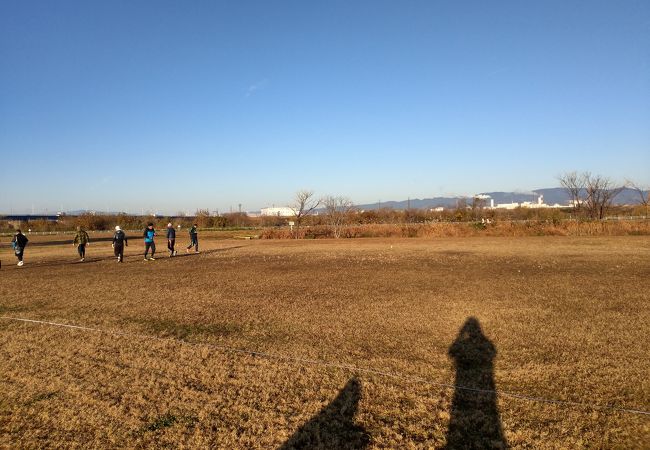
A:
333	427
182	254
56	263
58	242
131	258
223	249
474	421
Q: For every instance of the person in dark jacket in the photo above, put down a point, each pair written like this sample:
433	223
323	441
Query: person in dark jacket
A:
19	242
171	239
81	239
194	239
149	234
119	242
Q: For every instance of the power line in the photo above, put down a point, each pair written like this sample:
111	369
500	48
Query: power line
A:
316	362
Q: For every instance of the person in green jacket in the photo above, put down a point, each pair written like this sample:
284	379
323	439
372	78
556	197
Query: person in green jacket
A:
194	239
81	240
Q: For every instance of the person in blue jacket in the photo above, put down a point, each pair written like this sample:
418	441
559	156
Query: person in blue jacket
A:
149	234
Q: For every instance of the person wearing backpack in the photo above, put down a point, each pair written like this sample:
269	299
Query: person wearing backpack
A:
194	239
149	234
81	240
19	242
119	242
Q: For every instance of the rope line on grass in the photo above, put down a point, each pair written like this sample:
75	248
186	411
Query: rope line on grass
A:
316	362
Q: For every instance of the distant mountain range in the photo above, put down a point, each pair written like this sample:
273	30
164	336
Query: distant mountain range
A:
551	197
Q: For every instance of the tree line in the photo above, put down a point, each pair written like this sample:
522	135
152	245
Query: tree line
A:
592	198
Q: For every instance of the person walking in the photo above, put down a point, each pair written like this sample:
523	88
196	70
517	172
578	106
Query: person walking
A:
171	239
194	239
149	234
119	242
81	240
19	242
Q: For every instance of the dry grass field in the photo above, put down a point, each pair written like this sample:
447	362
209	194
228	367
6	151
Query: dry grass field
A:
357	341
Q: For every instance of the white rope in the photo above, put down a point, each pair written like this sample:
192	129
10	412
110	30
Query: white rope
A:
349	367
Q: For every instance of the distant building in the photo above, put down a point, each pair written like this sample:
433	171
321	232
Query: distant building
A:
278	211
533	205
507	205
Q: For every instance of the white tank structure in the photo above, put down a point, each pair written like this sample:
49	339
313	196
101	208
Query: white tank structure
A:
281	211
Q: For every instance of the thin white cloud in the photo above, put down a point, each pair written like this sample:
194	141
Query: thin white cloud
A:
100	183
257	86
498	71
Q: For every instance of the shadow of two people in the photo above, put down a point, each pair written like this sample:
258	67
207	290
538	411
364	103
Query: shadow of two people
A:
474	419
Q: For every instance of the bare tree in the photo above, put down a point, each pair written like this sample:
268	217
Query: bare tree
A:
601	192
461	208
304	204
478	204
574	184
202	218
642	191
593	193
338	210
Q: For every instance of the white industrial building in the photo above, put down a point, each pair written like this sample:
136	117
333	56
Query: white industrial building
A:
278	211
539	204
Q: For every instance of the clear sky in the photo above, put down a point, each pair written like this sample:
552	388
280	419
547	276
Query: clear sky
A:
171	106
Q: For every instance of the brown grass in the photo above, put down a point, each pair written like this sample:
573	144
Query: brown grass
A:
567	316
469	229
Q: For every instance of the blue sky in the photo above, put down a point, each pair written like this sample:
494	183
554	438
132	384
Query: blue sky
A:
171	106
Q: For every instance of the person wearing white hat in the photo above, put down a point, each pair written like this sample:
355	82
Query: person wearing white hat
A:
119	242
171	239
